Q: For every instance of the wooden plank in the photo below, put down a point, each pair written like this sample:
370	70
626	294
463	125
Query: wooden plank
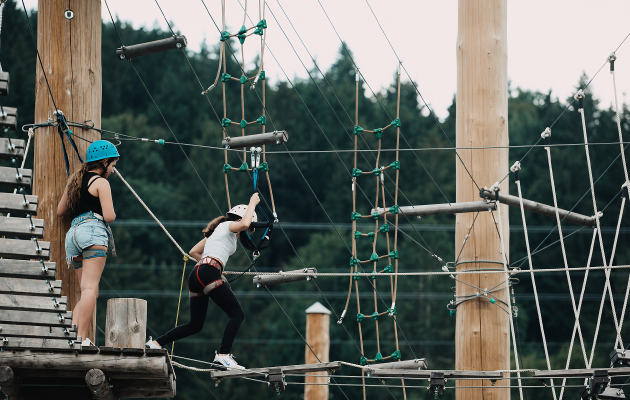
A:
39	344
21	227
27	269
24	249
21	317
9	178
30	287
32	363
288	369
42	332
10	119
4	83
579	373
426	373
14	203
11	149
33	303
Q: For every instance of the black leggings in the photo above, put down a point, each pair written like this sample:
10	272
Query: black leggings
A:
222	296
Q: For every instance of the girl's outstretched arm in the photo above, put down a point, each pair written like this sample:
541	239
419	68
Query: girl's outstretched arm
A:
243	223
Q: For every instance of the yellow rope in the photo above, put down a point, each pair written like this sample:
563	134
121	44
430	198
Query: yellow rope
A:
181	287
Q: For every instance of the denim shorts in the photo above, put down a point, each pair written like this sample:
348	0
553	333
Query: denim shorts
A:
87	233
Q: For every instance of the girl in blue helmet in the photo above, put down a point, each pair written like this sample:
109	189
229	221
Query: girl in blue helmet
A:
88	200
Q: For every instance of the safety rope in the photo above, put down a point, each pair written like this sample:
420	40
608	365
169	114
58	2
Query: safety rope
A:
179	301
516	168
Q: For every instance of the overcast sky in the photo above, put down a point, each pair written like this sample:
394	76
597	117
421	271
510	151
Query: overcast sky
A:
550	43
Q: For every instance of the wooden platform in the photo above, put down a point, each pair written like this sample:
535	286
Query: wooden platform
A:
287	369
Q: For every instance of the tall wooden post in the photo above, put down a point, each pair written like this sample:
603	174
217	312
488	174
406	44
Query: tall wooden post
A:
318	338
482	340
69	45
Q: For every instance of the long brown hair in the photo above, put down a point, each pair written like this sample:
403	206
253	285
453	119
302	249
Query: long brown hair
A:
212	225
76	180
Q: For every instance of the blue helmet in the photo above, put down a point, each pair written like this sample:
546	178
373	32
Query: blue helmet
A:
100	150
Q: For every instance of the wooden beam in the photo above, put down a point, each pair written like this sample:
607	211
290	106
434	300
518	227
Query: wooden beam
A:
265	280
426	373
27	269
30	287
31	303
10	149
10	383
127	387
21	343
8	120
542	209
289	369
4	83
156	46
41	332
259	139
99	385
21	227
14	203
579	373
32	363
20	317
440	209
24	249
70	51
418	363
317	350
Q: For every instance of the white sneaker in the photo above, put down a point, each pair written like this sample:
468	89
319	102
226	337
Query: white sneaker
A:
87	342
150	345
227	361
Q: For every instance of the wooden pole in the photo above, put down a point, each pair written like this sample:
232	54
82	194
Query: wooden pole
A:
318	337
70	51
99	385
126	323
482	339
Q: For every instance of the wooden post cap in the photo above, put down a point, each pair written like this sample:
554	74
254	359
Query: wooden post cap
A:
317	308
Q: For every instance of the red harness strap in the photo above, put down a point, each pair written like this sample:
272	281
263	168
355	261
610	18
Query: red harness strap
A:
207	288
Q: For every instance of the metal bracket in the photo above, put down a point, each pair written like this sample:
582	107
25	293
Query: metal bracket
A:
612	393
436	384
620	357
276	380
596	385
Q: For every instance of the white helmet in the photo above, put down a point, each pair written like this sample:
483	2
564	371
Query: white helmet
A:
240	211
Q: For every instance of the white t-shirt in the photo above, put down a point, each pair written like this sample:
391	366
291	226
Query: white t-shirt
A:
221	244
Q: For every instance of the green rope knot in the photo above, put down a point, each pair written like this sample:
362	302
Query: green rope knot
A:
391	312
227	168
357	234
378	357
360	317
241	34
355	216
358	130
384	228
374	257
376	171
243	123
357	276
226	122
395	165
356	172
354	261
393	254
161	141
225	77
375	318
378	132
375	215
263	167
69	132
396	355
396	123
363	361
371	235
452	312
374	275
394	209
243	167
225	35
243	79
262	120
388	269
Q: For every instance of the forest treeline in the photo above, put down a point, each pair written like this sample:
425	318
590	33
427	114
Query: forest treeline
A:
312	191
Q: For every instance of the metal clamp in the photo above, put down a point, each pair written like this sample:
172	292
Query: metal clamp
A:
276	380
436	384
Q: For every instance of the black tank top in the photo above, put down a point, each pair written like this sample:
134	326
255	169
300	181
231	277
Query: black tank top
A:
87	202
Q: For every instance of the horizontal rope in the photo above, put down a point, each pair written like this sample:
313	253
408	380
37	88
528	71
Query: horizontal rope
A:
426	273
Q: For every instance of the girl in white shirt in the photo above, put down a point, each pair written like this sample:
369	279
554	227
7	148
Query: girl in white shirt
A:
206	281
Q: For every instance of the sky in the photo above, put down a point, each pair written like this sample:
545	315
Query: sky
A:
550	43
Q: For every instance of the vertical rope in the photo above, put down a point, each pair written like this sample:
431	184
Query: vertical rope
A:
181	287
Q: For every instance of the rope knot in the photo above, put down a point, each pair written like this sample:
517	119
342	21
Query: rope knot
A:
611	59
579	96
31	132
186	257
546	135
